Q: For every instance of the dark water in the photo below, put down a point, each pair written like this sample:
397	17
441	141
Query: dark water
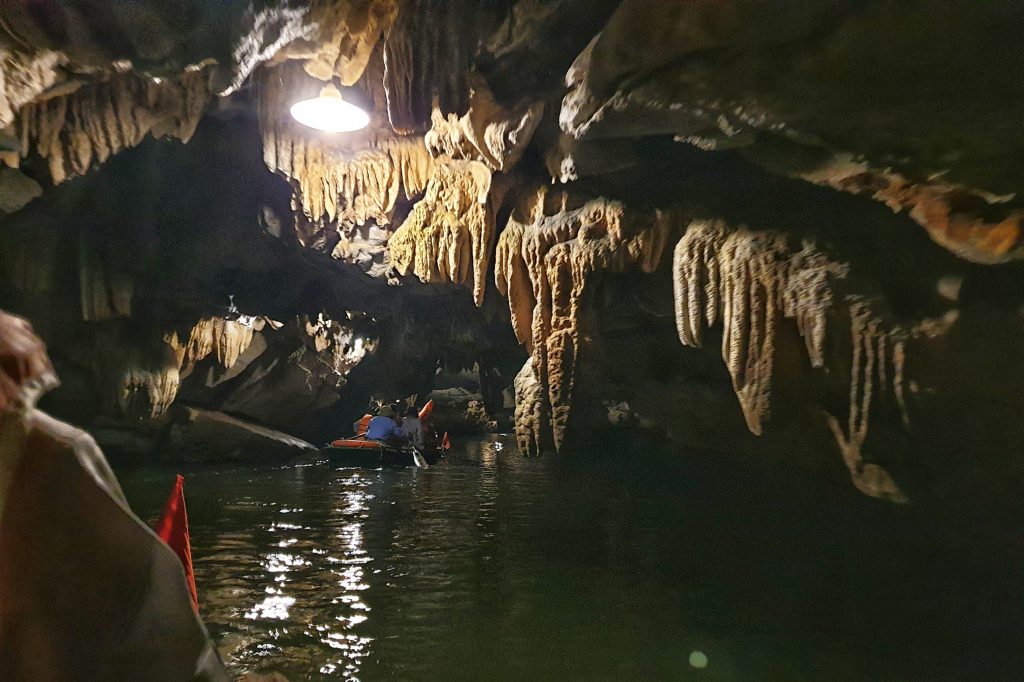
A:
498	567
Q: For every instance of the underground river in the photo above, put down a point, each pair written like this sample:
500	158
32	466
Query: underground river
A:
495	566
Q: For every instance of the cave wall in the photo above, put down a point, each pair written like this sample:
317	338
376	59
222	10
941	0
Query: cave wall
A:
787	233
163	284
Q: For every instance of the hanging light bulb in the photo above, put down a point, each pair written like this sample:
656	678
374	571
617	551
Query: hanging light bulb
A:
330	113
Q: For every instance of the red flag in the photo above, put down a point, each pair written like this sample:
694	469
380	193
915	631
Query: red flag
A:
445	443
427	410
173	529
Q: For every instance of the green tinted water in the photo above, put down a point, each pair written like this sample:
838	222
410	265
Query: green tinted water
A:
493	566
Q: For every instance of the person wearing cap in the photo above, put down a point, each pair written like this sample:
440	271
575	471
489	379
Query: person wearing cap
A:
383	428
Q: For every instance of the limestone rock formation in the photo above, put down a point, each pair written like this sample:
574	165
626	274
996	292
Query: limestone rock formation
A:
226	339
559	255
486	132
23	77
425	60
708	73
749	281
338	38
165	37
449	235
199	436
146	377
953	215
841	182
74	131
340	182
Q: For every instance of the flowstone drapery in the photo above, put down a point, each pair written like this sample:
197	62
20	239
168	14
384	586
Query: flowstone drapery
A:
558	255
751	281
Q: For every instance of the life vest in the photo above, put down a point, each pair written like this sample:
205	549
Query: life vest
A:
364	424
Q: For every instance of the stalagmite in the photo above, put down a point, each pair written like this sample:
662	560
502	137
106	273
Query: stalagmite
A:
450	232
86	127
750	281
532	426
558	255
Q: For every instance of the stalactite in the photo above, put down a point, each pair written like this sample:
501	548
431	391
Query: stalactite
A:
343	37
341	182
106	292
75	131
426	60
24	77
147	393
558	255
345	351
868	363
226	339
320	331
513	279
450	232
356	189
146	377
749	281
486	132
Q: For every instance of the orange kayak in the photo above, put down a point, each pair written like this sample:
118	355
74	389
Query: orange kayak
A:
360	443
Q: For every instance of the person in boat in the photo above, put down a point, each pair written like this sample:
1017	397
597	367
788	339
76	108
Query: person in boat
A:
361	425
87	590
23	358
412	428
383	427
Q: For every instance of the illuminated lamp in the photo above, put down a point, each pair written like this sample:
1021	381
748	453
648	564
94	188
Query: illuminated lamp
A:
330	113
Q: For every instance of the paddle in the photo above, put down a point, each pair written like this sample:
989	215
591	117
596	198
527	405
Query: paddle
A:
418	458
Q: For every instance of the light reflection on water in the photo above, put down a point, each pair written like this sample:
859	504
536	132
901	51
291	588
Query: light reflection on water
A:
298	600
497	567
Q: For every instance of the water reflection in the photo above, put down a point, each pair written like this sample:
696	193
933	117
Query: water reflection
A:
346	561
498	567
287	594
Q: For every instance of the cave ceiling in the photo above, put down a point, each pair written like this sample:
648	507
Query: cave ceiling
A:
850	169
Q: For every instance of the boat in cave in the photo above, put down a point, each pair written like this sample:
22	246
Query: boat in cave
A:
369	453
